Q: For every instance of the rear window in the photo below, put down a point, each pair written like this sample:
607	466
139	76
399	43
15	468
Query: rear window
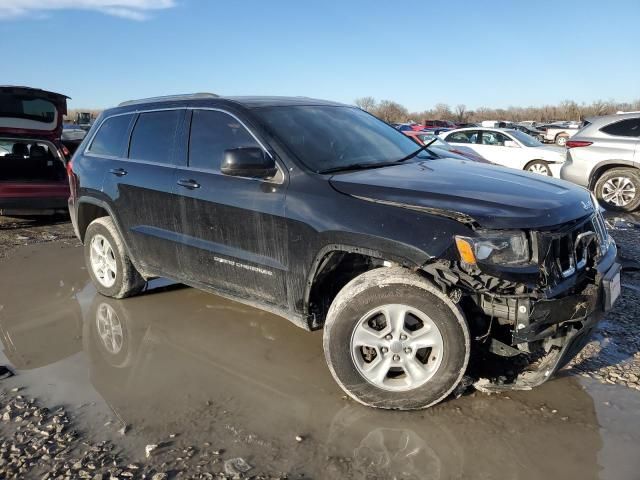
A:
623	128
110	139
212	133
153	136
29	108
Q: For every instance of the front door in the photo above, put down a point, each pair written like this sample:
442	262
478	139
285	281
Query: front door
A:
233	231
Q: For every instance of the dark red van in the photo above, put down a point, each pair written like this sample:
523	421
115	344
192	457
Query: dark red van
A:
33	177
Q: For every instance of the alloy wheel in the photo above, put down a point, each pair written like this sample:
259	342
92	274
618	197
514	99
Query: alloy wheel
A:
396	347
619	191
103	261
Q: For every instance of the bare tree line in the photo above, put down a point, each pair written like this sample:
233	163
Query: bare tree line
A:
391	111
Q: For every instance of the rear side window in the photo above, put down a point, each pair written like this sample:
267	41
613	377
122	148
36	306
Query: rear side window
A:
212	133
111	138
463	137
623	128
153	136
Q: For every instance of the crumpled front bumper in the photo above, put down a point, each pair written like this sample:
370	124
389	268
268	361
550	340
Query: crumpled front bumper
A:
594	301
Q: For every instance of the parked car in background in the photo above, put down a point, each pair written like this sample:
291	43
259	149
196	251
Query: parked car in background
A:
560	134
604	156
496	124
532	132
510	148
467	125
410	263
72	137
443	148
439	124
33	178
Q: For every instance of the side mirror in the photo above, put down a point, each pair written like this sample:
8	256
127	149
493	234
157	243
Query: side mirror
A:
511	144
248	162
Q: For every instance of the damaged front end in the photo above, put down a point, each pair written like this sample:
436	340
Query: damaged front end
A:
529	320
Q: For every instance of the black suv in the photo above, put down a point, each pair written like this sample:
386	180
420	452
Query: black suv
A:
425	272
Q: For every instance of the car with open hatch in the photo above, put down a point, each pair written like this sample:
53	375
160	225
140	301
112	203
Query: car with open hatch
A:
33	178
425	272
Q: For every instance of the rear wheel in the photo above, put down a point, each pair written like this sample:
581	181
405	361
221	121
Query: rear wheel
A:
561	140
619	189
107	261
392	340
538	166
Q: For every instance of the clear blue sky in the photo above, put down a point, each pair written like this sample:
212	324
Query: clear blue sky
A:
481	53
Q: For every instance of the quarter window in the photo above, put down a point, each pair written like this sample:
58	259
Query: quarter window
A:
212	133
496	139
153	136
623	128
111	137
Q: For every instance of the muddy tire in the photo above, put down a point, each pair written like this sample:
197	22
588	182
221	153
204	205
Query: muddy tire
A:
107	261
619	189
538	166
393	340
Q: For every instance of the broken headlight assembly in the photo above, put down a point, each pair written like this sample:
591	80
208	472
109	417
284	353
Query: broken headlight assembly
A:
497	247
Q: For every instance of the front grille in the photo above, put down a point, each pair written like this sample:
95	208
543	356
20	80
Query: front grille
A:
573	248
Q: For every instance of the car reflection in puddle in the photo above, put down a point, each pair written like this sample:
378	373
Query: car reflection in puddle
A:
177	360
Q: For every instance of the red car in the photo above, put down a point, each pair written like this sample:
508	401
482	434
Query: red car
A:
33	177
422	138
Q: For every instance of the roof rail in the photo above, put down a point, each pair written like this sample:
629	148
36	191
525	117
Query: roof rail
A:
169	98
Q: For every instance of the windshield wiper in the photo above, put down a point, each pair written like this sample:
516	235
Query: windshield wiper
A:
364	166
357	166
421	149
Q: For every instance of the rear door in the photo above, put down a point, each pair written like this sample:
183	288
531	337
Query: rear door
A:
140	183
234	235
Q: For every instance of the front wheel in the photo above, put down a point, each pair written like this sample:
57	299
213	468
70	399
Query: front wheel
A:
619	189
538	166
392	340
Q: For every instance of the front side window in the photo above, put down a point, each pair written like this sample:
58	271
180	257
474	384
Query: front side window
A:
335	137
496	139
623	128
212	133
110	140
153	136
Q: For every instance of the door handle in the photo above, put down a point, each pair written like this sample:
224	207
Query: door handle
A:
190	184
120	172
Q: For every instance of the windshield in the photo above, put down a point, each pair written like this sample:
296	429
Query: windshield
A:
526	140
329	137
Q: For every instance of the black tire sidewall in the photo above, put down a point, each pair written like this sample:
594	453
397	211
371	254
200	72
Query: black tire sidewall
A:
617	172
115	289
338	339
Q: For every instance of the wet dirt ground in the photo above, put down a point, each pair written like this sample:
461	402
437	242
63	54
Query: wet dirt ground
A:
209	380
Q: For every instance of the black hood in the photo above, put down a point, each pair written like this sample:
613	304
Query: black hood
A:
494	197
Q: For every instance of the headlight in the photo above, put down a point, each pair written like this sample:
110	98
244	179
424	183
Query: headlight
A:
495	247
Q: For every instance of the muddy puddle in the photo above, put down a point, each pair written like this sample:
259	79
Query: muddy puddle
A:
220	375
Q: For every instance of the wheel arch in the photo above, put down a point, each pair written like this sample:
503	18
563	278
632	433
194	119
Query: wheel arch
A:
334	266
602	167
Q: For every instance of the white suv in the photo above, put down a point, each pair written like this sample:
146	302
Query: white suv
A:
605	157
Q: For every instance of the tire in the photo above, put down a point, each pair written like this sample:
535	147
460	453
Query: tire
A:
354	314
628	182
109	255
538	166
561	140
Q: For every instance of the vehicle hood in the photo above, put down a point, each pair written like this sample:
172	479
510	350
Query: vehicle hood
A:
31	112
491	196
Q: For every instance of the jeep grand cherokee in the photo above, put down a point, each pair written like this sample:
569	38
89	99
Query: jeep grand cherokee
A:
420	269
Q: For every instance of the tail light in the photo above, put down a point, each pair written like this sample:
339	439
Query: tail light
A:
577	143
